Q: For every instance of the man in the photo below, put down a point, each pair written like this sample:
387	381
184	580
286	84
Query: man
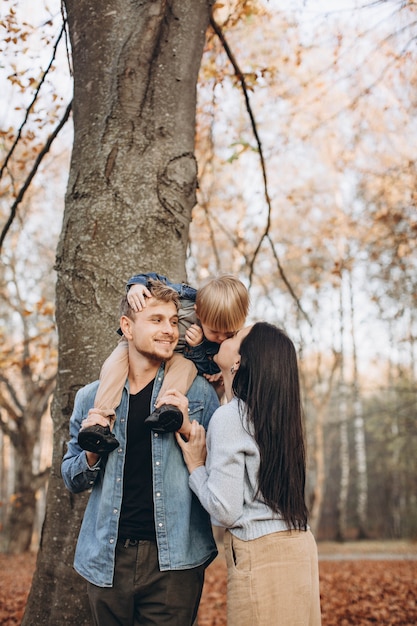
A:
145	540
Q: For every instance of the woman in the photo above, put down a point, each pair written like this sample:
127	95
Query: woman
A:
252	482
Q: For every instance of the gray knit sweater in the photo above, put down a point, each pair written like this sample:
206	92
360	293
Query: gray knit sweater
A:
227	484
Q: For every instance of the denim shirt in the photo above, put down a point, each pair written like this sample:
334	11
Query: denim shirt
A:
183	530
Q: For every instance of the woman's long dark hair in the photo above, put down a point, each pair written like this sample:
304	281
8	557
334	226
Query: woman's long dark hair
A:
268	382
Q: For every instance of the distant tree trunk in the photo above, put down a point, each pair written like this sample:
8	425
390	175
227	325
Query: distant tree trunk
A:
320	399
128	206
22	516
361	469
343	438
24	399
359	438
319	466
344	472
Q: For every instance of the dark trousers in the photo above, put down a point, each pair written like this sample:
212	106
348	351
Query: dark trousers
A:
143	595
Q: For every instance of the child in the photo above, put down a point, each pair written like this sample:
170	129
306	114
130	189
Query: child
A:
206	318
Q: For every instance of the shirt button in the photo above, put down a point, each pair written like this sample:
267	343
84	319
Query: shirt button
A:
114	510
111	540
155	434
158	494
157	463
160	525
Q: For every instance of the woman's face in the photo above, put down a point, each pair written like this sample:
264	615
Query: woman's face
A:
228	354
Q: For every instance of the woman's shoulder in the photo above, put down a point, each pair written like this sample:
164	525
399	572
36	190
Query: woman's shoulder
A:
227	416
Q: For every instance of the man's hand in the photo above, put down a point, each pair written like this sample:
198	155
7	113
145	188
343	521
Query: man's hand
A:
176	398
96	416
136	296
194	450
194	335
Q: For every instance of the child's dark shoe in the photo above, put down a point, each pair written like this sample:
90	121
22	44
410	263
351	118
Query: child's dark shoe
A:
167	419
98	439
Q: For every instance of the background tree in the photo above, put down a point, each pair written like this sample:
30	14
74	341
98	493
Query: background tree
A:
27	365
27	378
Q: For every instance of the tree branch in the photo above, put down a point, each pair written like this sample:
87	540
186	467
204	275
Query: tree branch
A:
32	173
39	480
18	407
265	235
35	97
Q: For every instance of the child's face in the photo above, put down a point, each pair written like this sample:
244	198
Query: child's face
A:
216	336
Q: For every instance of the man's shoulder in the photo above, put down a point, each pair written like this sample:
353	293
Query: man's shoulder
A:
202	390
88	390
200	384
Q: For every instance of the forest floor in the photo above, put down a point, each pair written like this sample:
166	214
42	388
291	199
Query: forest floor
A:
361	583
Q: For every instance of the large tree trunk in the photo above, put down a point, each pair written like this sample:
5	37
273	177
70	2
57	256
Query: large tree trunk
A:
129	199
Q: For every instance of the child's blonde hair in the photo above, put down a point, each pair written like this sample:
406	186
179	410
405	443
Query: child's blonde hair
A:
223	303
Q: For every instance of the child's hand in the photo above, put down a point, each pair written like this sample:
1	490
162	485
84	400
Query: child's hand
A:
194	335
214	378
136	297
218	383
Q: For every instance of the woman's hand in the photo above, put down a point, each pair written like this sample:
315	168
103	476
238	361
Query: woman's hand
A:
194	450
136	296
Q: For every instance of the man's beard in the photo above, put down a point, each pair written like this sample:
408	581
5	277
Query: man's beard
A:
157	358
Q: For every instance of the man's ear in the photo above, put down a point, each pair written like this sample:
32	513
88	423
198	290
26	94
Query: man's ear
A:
125	326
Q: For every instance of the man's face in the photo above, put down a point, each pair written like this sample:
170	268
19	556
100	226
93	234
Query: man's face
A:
154	331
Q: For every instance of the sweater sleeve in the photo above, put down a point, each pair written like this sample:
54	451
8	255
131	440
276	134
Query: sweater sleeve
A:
219	484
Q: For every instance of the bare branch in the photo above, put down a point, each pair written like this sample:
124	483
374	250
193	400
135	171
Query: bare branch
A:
266	235
40	479
18	407
35	97
32	173
242	81
7	431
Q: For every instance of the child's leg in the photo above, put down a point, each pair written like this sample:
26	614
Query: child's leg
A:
179	374
112	379
113	376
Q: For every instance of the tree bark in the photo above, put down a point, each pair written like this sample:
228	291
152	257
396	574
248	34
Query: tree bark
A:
130	194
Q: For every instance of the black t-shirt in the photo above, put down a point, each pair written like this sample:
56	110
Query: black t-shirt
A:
137	514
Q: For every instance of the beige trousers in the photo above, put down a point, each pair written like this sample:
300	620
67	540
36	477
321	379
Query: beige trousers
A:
273	580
